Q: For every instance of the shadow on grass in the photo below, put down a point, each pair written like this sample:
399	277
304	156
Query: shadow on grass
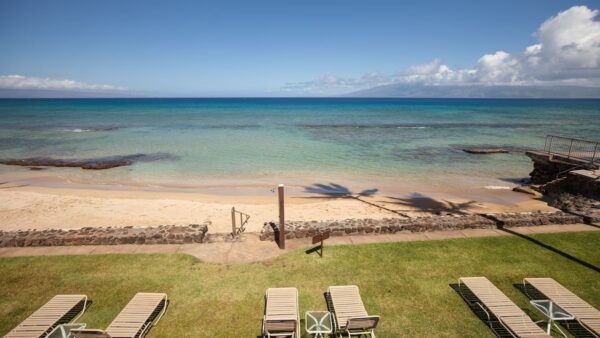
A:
573	326
72	314
276	233
428	204
313	250
471	300
335	191
551	248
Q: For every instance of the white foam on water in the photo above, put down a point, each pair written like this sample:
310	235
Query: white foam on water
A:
497	187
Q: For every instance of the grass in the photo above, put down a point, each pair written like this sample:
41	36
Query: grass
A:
408	284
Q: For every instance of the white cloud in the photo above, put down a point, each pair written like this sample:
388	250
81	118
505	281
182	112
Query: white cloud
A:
567	52
568	48
26	82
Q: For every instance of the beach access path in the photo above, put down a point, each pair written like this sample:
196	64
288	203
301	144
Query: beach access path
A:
251	249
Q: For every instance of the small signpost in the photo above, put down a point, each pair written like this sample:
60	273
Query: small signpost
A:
319	238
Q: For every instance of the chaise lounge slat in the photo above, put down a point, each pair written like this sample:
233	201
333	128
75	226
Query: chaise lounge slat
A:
584	313
349	312
142	312
282	316
59	310
495	302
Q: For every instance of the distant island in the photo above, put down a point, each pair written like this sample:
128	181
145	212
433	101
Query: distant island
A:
478	91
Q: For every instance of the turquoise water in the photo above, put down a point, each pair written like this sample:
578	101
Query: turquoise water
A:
302	138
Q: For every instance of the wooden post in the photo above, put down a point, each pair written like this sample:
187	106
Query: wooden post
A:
233	221
280	189
320	238
321	253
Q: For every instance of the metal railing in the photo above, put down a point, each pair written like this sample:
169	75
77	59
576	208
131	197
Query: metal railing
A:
574	148
235	230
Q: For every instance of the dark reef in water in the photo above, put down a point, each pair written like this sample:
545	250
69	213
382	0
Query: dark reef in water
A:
97	163
477	150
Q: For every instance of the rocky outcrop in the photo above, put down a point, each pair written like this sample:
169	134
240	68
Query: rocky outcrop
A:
577	193
163	234
303	229
585	207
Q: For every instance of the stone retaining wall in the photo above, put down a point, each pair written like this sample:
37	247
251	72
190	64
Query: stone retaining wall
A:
163	234
302	229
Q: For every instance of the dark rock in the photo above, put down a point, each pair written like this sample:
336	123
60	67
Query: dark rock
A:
527	190
485	150
88	163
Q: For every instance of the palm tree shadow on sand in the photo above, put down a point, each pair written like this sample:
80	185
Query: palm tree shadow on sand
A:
424	203
335	191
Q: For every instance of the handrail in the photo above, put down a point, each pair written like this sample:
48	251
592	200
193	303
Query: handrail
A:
235	231
573	148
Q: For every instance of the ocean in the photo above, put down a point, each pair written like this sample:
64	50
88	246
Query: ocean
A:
204	142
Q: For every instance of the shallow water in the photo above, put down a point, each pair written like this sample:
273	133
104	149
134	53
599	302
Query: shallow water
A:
308	140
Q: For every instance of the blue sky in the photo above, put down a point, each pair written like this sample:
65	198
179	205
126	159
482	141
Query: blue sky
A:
258	47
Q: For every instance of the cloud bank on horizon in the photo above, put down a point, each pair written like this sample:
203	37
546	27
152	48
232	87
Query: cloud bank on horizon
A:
567	53
26	83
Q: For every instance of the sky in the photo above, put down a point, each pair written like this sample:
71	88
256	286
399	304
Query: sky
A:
290	48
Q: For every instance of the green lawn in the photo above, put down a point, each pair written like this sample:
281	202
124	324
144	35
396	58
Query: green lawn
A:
406	283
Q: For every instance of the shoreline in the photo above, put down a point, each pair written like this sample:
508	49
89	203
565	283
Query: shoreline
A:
297	184
35	203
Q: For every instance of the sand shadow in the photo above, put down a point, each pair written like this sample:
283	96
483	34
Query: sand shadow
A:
427	204
333	190
336	191
551	248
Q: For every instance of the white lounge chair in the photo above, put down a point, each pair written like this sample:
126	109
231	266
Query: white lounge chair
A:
349	313
282	317
495	304
137	317
61	309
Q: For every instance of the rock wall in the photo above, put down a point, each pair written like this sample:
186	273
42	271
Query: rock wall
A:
576	194
302	229
163	234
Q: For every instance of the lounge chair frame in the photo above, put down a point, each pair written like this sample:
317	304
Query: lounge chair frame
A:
575	301
491	316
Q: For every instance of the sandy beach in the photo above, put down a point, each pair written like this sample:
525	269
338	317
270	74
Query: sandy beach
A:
38	207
